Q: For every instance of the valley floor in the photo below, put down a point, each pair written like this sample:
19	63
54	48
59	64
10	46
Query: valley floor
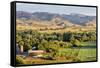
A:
79	54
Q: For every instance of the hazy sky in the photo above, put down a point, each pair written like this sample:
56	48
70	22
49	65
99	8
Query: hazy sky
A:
55	9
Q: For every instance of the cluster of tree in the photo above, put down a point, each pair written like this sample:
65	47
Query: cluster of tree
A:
51	42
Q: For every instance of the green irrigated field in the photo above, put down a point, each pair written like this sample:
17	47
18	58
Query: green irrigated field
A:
87	54
87	51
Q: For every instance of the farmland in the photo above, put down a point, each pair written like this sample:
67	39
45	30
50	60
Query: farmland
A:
61	47
55	39
84	54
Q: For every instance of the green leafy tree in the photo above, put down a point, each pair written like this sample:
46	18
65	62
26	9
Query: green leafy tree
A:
75	43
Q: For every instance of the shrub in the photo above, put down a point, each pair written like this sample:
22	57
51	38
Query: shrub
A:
76	43
76	60
19	60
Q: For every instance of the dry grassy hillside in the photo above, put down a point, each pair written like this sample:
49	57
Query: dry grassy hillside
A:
55	25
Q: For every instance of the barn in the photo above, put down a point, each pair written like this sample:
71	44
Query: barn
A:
36	53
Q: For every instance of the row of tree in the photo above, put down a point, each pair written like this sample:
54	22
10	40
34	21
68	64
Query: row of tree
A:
50	42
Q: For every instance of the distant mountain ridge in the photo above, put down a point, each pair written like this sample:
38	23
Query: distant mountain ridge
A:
79	19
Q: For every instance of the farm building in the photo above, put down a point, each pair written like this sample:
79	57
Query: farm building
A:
32	52
36	52
19	49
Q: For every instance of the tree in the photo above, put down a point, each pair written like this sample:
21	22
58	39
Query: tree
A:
43	45
84	37
19	60
72	38
75	43
66	37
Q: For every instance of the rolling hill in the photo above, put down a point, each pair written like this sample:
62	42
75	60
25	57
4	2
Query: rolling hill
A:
51	21
45	16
